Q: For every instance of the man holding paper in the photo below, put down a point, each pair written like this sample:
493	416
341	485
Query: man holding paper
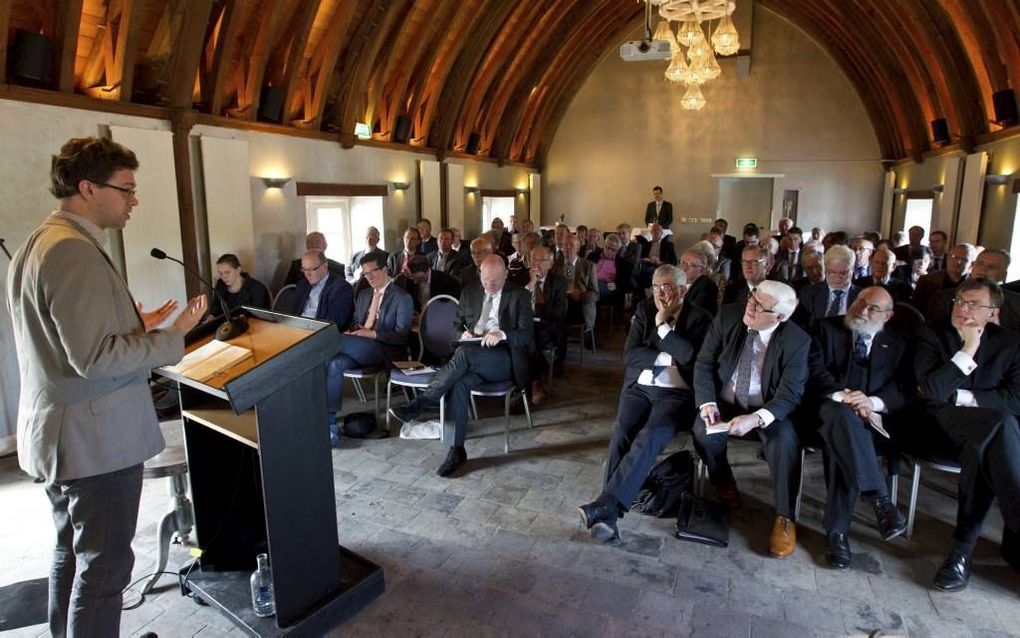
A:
496	321
382	322
748	378
657	399
862	374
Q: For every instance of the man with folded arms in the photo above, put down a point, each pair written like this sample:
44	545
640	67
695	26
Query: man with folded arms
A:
968	372
499	313
657	400
750	374
861	374
382	322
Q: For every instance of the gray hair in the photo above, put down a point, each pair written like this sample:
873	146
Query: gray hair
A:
669	270
613	241
786	298
707	252
839	253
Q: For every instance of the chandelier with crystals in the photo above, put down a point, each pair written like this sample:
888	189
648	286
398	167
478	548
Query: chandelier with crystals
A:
698	64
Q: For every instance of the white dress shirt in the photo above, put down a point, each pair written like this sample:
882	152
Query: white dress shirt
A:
754	396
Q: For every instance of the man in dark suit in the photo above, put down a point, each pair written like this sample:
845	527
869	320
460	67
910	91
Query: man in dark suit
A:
907	251
968	372
753	261
480	248
863	250
502	239
992	264
445	258
371	246
860	376
582	293
658	210
423	283
398	260
702	291
787	268
549	305
748	378
314	241
812	264
833	296
382	323
630	252
657	399
750	238
500	314
926	294
428	242
655	251
729	242
322	295
883	262
938	241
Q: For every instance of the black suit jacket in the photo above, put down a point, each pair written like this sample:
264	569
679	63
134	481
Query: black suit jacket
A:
665	216
736	292
440	283
899	290
995	382
941	308
681	343
926	293
515	320
452	261
890	364
356	260
553	313
784	373
336	301
704	293
814	301
428	245
667	252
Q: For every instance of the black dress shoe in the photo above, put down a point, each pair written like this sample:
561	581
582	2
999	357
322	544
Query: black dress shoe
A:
954	573
597	511
606	532
405	413
1011	548
837	550
454	459
888	519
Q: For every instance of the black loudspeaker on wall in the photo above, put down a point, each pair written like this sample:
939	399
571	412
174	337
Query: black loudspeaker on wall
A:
474	141
32	57
940	131
271	104
402	130
1004	102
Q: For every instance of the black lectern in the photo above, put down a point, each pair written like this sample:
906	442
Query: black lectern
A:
262	481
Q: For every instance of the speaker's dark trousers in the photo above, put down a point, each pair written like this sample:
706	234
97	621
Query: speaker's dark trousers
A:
852	463
95	519
781	448
987	445
647	420
355	352
470	367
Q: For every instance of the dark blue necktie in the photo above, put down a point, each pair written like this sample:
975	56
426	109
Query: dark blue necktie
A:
861	349
834	307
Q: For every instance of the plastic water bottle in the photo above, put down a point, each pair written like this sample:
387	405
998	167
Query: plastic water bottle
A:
262	598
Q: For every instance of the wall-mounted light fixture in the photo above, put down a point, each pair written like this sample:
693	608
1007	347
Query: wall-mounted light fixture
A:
400	186
938	188
997	180
899	191
275	182
522	191
471	189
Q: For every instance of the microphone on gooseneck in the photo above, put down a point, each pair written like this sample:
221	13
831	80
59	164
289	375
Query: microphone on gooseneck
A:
231	326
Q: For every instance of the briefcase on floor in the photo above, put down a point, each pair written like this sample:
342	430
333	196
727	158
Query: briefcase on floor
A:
703	521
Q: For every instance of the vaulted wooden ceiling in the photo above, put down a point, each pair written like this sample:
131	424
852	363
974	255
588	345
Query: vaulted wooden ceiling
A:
500	71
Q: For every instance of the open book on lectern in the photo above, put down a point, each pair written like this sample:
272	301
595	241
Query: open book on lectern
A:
202	364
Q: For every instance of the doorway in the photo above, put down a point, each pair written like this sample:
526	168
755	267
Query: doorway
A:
743	200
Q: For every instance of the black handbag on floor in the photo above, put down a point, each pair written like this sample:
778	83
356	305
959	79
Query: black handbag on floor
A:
703	521
667	481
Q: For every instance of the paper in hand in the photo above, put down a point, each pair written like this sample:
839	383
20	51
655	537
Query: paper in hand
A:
875	421
718	428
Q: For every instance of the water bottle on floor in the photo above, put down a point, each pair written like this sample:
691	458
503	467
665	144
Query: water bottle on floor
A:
262	599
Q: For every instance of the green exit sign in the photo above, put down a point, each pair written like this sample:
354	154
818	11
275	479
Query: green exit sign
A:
747	162
362	131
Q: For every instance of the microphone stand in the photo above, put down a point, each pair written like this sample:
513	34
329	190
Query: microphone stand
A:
4	247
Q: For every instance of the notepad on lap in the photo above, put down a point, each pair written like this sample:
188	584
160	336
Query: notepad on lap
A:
211	359
718	428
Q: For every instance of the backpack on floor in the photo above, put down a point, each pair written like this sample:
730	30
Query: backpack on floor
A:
661	492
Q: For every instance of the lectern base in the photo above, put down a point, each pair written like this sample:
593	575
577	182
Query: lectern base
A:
229	591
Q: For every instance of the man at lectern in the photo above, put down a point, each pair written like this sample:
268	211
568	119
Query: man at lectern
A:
382	322
498	326
86	421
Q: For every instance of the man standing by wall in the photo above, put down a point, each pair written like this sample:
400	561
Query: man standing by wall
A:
86	422
658	210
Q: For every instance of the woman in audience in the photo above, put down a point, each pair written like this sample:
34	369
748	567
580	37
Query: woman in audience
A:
594	241
612	271
582	239
237	287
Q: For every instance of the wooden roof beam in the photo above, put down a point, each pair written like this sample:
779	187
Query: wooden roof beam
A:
65	42
320	68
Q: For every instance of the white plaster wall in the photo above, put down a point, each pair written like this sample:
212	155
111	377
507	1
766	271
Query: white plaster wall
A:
796	112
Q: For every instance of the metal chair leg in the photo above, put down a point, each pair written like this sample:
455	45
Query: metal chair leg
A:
915	483
474	408
800	485
359	390
527	409
375	390
506	422
389	391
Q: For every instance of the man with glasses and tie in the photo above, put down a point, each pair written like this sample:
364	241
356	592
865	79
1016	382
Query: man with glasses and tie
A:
753	262
657	399
861	378
968	373
496	324
748	378
831	297
382	323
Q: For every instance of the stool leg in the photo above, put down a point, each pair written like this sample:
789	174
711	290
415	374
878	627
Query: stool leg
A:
166	531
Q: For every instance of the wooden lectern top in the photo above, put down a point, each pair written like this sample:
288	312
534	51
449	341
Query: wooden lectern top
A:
265	339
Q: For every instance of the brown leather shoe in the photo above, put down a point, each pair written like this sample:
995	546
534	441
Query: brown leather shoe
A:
783	540
537	393
729	495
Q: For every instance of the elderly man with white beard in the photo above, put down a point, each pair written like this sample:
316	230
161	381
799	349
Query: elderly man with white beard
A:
862	375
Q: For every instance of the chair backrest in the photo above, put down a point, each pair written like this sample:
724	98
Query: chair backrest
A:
436	326
284	299
906	319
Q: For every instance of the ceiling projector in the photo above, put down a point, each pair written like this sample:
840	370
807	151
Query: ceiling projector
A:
641	50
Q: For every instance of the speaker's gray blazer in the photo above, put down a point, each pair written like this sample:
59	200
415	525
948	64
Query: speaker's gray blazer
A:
84	356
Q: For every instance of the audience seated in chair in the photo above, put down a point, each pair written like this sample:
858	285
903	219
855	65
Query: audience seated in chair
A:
398	261
657	399
549	305
499	313
480	248
314	241
378	335
237	288
655	251
445	258
926	295
702	291
883	263
753	268
423	283
582	290
371	246
321	294
750	374
833	296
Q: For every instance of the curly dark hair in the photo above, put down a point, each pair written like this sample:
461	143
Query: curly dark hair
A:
87	158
